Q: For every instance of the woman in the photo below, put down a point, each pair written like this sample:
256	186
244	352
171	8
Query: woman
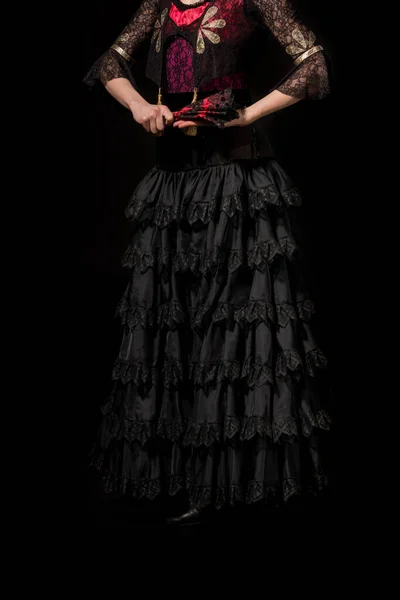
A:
218	387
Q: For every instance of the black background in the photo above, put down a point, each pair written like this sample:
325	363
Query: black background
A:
115	153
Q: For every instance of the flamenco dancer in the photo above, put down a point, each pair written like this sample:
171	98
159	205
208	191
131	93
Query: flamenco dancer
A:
219	388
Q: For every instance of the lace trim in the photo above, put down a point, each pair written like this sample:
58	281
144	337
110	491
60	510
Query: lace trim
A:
143	431
290	360
210	261
261	198
134	257
305	310
110	65
246	428
139	373
163	215
202	374
138	488
254	311
259	256
205	434
266	252
203	495
256	374
196	262
290	487
168	315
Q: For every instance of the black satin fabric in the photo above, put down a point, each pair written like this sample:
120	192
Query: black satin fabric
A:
219	386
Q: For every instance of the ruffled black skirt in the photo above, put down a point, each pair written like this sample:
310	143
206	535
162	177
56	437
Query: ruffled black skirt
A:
219	386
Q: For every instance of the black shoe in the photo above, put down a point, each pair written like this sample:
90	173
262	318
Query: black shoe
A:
191	517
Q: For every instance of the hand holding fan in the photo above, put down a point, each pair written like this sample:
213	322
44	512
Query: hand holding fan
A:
215	110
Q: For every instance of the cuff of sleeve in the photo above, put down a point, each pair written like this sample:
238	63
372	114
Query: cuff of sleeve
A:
111	65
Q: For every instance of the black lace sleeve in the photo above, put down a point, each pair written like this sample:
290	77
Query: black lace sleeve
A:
309	77
117	61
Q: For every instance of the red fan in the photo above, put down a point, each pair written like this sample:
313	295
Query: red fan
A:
216	110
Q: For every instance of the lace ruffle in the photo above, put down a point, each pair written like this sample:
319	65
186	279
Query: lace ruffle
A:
143	431
258	490
246	428
266	252
141	374
257	374
134	257
285	312
168	315
291	361
203	374
254	311
139	488
196	262
210	261
172	314
110	66
205	434
270	196
202	495
205	211
163	215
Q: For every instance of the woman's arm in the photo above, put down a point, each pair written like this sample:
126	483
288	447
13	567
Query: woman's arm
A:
266	106
152	117
114	69
308	75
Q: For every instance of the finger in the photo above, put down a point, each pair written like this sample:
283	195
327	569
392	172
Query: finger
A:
185	124
169	117
160	121
233	123
146	124
195	124
153	125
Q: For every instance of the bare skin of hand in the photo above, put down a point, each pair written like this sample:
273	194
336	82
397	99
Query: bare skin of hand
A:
152	117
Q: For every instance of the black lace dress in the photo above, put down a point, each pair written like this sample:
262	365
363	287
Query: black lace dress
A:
219	385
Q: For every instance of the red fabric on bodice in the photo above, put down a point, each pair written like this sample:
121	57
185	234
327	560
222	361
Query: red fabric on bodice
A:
182	18
179	57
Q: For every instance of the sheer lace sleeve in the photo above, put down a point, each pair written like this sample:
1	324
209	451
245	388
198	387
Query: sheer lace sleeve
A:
309	77
117	61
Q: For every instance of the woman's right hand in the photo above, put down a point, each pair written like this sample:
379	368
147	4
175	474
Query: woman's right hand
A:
153	117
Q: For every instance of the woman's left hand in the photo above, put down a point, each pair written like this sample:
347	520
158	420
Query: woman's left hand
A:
242	121
185	124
